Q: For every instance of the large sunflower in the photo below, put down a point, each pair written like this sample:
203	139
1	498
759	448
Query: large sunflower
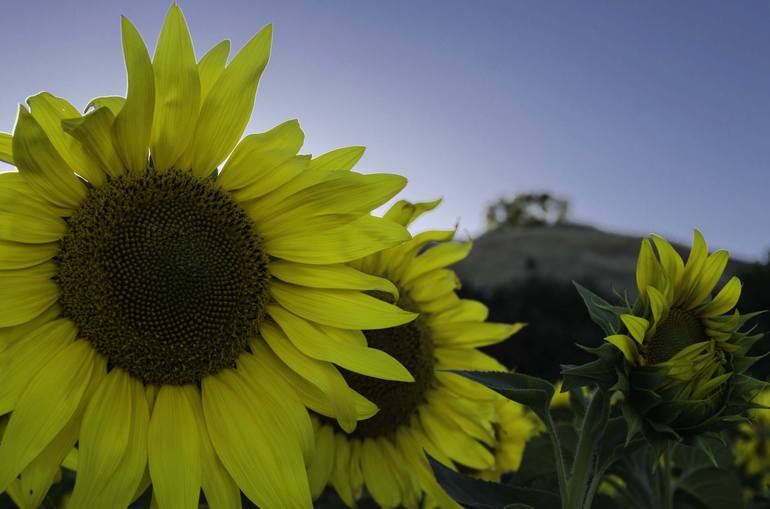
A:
442	413
172	320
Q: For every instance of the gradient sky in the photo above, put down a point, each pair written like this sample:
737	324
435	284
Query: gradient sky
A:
648	116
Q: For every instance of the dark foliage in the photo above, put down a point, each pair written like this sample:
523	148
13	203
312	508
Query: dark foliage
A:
756	297
556	319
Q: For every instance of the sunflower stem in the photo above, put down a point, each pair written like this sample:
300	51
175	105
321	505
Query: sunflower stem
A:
591	432
561	471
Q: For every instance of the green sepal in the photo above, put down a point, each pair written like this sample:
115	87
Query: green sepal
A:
601	312
601	372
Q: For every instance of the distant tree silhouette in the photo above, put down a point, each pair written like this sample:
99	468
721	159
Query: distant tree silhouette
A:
527	209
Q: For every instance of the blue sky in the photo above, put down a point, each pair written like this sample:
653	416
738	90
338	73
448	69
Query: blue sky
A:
648	116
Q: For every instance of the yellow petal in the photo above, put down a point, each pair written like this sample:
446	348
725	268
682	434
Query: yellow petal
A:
636	325
50	111
360	238
227	108
321	374
271	473
724	301
211	66
6	148
465	388
340	476
313	397
404	212
177	91
658	302
259	154
18	197
280	396
345	309
220	489
455	444
693	268
472	334
355	476
437	257
173	448
411	248
24	298
626	345
710	275
341	159
646	268
44	408
113	103
318	343
670	260
380	479
440	304
14	255
42	166
23	360
261	194
94	132
31	229
38	477
433	285
133	125
346	194
465	311
9	336
323	462
112	444
466	358
337	276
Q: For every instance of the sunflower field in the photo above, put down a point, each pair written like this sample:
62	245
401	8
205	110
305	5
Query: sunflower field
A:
194	318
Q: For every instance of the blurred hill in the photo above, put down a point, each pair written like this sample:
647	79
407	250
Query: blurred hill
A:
510	255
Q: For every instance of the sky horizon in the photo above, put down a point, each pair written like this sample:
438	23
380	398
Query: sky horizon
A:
648	118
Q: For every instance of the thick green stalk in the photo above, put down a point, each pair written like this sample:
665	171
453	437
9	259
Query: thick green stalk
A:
561	471
592	430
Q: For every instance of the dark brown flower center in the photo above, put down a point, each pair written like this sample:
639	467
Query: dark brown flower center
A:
164	275
677	331
412	346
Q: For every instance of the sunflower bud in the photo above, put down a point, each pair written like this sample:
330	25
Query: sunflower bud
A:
680	356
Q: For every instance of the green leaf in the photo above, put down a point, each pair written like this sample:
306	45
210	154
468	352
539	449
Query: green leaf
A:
602	372
530	391
710	488
488	495
537	462
600	311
